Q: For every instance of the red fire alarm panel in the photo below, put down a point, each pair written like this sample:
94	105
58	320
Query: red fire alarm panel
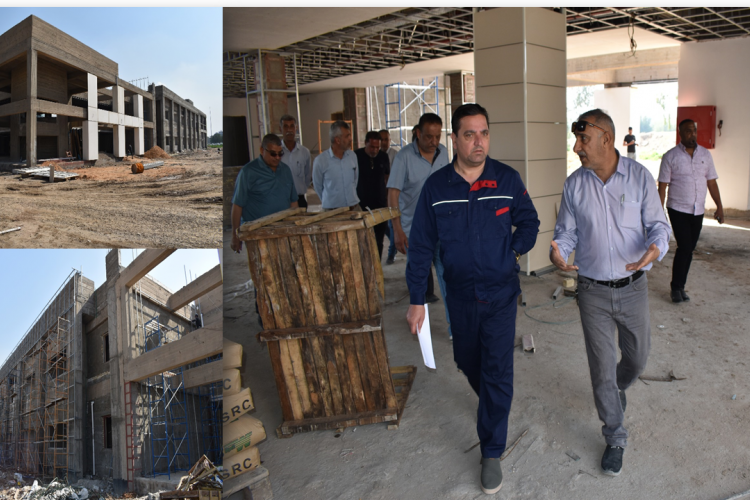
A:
705	121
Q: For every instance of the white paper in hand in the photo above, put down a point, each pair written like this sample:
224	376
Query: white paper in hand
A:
425	341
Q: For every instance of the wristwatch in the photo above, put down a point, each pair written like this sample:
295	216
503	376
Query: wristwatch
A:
518	256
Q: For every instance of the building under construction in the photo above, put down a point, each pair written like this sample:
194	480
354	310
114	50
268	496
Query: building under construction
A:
120	382
60	98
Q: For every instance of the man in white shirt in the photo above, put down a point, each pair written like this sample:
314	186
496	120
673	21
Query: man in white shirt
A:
297	157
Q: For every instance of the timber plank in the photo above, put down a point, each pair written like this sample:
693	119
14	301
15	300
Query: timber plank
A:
381	353
369	272
298	258
251	226
333	375
338	278
365	309
373	371
311	374
286	406
350	284
197	288
279	303
326	279
324	227
405	384
321	216
322	370
355	379
264	302
349	328
364	372
291	282
344	376
300	376
289	428
294	395
376	262
314	279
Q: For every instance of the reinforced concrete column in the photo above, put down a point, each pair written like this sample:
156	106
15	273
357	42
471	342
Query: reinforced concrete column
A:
273	71
91	125
118	129
138	145
179	126
520	70
355	109
31	96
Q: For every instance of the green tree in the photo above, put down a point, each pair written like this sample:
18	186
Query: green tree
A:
646	124
217	138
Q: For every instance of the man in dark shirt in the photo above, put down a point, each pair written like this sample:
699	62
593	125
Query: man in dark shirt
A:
630	143
374	169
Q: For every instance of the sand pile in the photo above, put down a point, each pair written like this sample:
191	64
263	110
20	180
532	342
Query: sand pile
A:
156	153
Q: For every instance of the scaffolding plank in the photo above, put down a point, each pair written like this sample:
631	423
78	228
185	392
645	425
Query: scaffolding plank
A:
197	288
193	347
145	262
203	375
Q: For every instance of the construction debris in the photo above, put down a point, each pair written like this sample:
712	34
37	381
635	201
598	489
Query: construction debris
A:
557	293
138	168
528	344
202	476
669	378
11	230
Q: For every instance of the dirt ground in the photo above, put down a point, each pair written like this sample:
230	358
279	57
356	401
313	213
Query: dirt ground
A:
177	205
688	439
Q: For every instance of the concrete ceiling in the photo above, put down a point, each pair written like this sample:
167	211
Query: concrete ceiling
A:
613	41
274	27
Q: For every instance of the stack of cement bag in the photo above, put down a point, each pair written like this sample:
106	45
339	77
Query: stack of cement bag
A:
242	432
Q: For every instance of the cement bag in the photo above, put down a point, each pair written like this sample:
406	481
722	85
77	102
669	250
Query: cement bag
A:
241	463
232	383
243	433
237	405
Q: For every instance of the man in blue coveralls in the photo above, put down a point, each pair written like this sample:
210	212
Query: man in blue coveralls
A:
470	207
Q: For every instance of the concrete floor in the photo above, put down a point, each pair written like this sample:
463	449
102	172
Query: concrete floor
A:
688	439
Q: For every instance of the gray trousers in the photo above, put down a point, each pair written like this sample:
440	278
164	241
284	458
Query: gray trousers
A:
632	156
605	311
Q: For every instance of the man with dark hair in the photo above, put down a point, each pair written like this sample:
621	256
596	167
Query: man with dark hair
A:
467	209
263	187
297	157
630	143
385	146
688	170
411	167
610	215
374	169
335	172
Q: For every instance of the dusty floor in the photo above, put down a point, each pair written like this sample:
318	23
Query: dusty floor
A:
688	439
177	205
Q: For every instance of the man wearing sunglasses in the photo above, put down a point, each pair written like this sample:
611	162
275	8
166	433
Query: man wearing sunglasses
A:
611	216
263	187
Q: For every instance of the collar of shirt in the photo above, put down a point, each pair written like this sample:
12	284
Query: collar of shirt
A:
621	169
415	148
283	145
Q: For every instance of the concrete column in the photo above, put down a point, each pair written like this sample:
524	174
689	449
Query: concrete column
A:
274	77
118	107
520	70
91	126
138	135
355	109
168	105
31	95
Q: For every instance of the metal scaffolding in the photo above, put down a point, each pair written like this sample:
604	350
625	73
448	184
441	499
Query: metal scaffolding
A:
169	428
210	420
59	413
395	109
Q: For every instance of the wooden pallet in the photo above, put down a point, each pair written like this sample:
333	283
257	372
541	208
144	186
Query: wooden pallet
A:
59	176
403	378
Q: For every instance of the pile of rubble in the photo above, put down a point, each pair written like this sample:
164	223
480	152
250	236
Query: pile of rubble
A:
156	153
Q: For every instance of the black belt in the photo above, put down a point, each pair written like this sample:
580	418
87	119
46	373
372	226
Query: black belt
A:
618	283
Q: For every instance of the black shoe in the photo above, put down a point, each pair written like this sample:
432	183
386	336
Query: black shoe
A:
685	297
623	401
612	460
492	475
431	298
676	296
389	261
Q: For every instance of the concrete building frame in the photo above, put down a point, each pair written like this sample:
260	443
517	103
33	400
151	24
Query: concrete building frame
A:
180	125
86	358
50	84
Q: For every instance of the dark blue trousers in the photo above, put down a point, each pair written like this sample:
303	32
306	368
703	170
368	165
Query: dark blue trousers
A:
483	338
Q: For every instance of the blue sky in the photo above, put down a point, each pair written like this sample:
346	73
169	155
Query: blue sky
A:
177	47
30	278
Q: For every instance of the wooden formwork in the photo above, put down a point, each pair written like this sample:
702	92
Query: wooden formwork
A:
320	295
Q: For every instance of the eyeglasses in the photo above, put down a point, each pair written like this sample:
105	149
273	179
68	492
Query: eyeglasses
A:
274	154
581	126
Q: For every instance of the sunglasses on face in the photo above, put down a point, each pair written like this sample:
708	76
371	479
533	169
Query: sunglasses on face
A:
274	154
581	126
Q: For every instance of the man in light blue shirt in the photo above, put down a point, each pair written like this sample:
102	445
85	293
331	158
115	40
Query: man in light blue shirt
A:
611	216
335	170
297	157
410	169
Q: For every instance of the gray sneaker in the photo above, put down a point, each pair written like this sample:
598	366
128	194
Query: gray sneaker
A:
492	475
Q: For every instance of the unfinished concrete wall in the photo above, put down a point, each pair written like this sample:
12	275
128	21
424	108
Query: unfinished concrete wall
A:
180	126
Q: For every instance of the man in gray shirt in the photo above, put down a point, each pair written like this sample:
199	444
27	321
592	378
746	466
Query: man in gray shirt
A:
297	157
411	167
385	146
335	170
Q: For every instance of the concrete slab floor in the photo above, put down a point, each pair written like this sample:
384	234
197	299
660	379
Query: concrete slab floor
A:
688	438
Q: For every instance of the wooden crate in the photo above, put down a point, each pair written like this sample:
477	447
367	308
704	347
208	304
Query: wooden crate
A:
320	295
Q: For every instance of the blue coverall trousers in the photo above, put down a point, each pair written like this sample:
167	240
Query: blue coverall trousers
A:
483	338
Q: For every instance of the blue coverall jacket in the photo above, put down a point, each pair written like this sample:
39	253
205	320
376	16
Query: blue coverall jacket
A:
474	227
